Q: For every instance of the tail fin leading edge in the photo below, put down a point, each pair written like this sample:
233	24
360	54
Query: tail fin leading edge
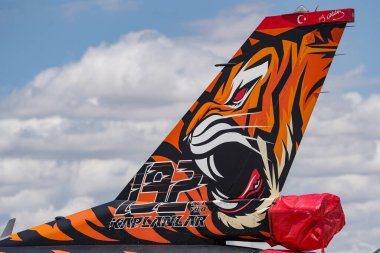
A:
240	137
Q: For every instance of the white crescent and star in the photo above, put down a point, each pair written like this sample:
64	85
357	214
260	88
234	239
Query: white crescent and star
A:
301	19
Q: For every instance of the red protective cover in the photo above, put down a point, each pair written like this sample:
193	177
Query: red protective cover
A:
307	222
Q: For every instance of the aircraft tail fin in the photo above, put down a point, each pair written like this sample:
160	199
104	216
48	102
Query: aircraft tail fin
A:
240	137
8	229
218	174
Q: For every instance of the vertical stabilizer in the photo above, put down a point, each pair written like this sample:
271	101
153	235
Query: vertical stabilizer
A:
240	137
8	229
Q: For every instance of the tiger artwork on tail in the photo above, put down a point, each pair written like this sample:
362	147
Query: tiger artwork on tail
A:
244	130
219	171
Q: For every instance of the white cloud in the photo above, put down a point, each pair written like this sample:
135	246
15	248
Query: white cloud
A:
227	31
354	79
102	178
342	137
75	134
46	213
64	138
44	188
126	78
30	198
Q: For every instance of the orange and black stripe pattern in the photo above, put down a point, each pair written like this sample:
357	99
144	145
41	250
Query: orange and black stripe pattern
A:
225	161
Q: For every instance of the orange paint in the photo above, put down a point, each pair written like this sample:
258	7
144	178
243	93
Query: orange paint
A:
253	41
194	195
204	194
51	232
238	53
174	136
247	237
265	234
111	209
15	237
145	197
171	229
197	117
211	226
192	108
195	232
318	35
211	86
158	158
80	220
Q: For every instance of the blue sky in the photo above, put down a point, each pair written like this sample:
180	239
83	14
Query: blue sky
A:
79	96
39	34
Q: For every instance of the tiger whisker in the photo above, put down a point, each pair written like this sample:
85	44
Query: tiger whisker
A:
238	115
234	127
255	139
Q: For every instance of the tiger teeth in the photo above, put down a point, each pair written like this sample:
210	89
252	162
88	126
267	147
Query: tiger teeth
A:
218	195
225	204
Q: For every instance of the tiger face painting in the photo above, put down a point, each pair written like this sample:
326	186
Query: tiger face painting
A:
244	131
220	171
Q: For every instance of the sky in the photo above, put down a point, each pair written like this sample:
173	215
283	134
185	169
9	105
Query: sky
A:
88	89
